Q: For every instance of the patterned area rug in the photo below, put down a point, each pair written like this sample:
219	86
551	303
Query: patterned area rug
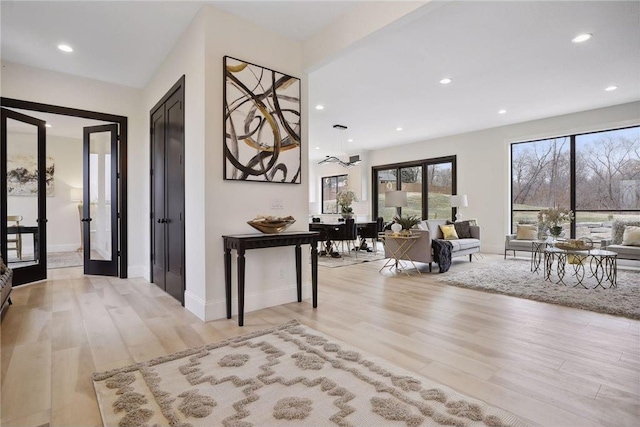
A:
289	375
350	259
514	277
54	260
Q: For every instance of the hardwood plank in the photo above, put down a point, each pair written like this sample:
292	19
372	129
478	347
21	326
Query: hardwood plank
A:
548	364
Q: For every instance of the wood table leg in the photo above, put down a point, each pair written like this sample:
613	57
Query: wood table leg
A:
314	273
299	271
241	263
227	280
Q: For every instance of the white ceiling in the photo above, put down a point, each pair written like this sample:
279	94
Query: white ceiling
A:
512	55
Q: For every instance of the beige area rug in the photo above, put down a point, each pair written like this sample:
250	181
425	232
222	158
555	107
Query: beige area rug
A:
289	375
350	259
54	260
514	277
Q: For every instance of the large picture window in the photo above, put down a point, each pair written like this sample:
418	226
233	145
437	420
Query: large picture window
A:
331	186
596	175
429	185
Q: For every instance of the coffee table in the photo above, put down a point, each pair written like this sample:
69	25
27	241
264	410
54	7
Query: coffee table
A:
603	266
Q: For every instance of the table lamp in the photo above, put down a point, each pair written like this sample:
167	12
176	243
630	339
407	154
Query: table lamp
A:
459	201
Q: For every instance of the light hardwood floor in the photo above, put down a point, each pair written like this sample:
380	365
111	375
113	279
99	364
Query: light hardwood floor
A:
551	365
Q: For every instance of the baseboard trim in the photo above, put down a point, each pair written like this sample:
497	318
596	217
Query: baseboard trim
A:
195	305
139	271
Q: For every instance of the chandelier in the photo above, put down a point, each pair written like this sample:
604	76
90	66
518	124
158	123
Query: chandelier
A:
353	160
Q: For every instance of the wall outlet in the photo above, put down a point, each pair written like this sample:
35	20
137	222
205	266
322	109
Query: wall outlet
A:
277	204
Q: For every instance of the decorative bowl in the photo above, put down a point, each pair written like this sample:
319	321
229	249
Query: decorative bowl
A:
271	226
575	245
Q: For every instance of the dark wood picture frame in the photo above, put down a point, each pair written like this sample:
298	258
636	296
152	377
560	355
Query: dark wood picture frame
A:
262	124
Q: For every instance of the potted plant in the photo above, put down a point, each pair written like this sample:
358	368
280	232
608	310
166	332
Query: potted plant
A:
345	198
407	222
552	218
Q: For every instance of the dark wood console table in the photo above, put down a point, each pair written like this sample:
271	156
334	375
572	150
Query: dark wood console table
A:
242	242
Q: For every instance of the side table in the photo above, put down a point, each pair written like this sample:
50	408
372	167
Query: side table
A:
398	246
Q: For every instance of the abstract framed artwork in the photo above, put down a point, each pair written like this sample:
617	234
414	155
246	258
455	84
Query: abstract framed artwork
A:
261	124
22	175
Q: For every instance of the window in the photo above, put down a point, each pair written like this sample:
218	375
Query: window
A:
429	184
331	186
596	175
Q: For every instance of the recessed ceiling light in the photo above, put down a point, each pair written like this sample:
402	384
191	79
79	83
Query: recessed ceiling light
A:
610	88
47	125
317	148
319	107
398	129
502	112
349	140
582	38
65	48
446	81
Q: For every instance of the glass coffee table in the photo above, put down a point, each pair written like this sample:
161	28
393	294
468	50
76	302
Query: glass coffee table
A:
603	266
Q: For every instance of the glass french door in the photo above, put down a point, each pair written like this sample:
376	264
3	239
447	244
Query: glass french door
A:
25	181
100	202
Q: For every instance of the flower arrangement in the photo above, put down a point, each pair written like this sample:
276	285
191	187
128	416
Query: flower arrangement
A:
344	199
553	217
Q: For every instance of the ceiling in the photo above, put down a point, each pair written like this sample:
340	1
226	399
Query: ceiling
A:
516	56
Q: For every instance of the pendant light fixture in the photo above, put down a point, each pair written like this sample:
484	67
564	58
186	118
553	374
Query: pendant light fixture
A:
353	160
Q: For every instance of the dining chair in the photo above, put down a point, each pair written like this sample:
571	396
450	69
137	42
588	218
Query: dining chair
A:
348	234
16	239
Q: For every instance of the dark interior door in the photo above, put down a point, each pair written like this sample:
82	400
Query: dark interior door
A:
23	211
100	200
167	170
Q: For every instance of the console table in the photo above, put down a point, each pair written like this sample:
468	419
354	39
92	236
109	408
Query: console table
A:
242	242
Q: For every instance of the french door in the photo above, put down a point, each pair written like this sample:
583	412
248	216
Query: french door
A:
23	212
100	200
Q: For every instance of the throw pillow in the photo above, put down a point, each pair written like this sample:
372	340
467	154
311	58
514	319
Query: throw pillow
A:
631	236
463	229
617	230
3	267
449	232
422	225
526	232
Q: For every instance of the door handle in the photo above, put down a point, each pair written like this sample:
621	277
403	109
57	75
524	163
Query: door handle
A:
86	219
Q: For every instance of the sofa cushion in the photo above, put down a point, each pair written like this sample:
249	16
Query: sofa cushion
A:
468	243
526	232
449	232
625	252
519	245
434	227
631	236
617	230
463	229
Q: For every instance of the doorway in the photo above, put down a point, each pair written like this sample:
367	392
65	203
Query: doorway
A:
84	179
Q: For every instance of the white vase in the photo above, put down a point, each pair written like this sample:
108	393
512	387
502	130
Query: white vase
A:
396	228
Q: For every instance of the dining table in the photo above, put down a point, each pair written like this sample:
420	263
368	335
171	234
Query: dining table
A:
331	228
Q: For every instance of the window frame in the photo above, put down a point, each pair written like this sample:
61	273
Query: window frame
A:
572	177
424	163
322	200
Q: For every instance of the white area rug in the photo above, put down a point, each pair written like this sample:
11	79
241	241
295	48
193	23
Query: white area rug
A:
513	277
290	375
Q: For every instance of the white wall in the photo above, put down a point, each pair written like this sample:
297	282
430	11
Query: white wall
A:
37	85
215	207
229	204
63	228
484	164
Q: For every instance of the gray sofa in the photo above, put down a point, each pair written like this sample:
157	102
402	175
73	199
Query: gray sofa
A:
614	244
6	276
421	251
